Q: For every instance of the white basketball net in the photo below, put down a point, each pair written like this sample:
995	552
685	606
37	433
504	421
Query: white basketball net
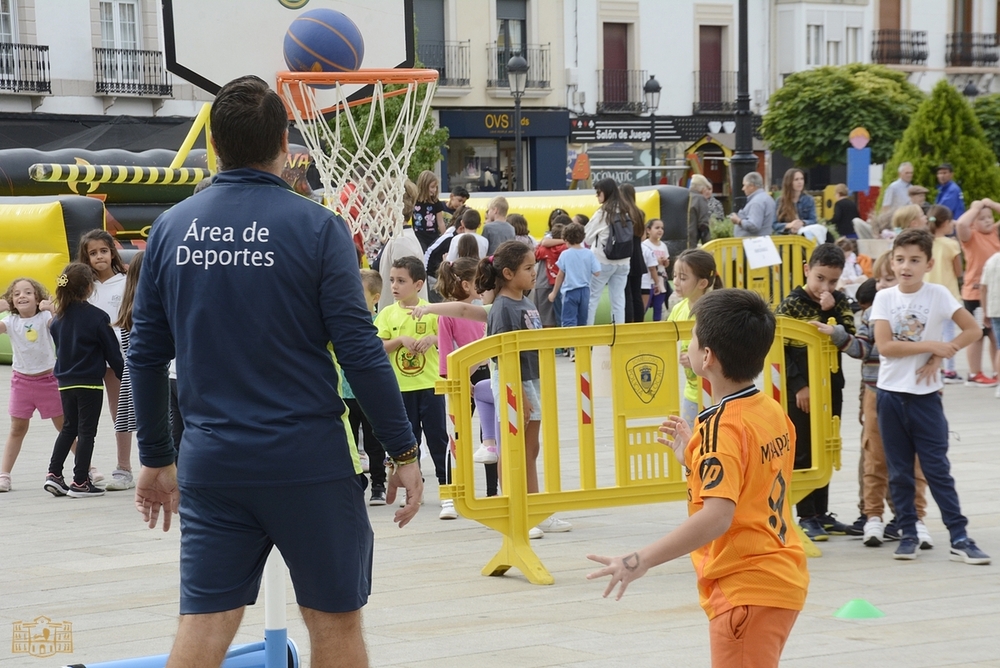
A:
366	186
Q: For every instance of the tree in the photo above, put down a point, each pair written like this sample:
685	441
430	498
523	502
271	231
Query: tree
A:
987	108
810	117
944	129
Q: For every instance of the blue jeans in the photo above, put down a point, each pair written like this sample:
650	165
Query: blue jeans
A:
915	425
576	303
615	276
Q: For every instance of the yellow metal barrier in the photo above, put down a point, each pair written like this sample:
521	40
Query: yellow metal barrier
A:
772	283
645	389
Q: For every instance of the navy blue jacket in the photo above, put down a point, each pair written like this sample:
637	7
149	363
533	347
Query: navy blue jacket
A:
248	284
85	346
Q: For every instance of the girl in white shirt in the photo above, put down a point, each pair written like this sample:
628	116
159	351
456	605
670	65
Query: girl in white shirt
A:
97	249
32	385
657	258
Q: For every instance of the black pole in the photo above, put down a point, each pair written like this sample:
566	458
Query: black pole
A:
516	178
652	148
743	161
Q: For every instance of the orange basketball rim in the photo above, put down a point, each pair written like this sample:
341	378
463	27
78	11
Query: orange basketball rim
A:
362	77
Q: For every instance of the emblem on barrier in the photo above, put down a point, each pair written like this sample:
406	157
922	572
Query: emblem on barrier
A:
41	637
645	375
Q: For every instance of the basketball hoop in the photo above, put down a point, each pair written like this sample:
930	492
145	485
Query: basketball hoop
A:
366	184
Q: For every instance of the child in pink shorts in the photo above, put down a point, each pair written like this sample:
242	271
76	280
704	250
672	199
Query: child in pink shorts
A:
32	385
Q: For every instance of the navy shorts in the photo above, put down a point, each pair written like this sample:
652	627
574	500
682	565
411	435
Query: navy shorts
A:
322	531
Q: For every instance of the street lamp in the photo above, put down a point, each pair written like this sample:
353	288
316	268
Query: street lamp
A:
651	91
517	77
970	91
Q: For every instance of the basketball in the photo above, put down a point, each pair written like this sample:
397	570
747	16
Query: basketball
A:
323	40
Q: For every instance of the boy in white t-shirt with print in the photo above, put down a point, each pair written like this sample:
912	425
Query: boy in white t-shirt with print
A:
909	319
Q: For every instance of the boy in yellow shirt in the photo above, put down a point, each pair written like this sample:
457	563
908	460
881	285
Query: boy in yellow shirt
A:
752	576
412	348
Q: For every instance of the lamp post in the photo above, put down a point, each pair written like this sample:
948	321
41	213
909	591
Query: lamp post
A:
651	91
743	161
517	77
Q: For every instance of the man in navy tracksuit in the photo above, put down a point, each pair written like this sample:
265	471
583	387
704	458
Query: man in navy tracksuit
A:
247	284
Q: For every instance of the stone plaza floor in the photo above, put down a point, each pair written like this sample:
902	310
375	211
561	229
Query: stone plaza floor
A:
92	562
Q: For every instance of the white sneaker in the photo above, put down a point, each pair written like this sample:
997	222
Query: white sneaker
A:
997	393
95	475
363	457
4	482
874	534
448	511
120	481
924	536
555	525
534	533
402	498
485	455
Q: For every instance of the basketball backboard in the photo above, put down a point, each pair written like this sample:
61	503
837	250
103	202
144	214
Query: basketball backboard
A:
210	42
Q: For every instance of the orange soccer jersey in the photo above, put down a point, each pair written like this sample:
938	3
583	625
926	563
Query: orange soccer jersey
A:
743	450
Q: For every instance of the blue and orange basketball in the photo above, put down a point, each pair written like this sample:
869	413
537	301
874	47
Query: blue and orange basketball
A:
323	40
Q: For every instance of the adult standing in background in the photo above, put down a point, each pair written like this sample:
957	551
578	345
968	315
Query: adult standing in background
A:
497	230
949	194
266	457
844	212
897	193
614	273
754	219
918	196
699	216
635	306
796	208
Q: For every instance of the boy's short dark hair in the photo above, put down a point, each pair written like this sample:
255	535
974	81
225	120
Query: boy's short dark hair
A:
574	233
557	231
916	237
460	191
471	219
827	255
720	313
866	293
413	266
249	121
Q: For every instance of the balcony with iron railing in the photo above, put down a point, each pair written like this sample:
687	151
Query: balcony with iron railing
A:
714	92
899	47
972	49
450	59
539	65
131	72
620	91
24	68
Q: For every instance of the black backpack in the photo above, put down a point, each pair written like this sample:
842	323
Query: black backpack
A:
620	236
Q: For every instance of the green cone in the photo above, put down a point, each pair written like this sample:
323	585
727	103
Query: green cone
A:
859	608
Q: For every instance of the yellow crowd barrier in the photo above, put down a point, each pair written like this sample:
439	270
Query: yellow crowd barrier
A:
645	388
772	283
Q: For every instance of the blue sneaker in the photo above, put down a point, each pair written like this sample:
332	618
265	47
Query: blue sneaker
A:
907	549
891	531
966	550
813	528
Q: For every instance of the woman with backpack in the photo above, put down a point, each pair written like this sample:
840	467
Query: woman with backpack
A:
610	237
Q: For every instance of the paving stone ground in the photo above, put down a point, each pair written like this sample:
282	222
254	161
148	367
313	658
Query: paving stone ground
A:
92	562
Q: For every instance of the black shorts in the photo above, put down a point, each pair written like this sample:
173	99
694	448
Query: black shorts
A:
971	305
322	531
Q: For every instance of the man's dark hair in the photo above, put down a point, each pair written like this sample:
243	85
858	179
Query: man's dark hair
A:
916	237
460	191
827	255
248	123
719	315
413	266
471	219
573	234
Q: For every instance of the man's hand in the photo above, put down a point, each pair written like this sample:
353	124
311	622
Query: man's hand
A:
679	432
735	218
156	489
928	372
623	570
826	301
406	477
802	399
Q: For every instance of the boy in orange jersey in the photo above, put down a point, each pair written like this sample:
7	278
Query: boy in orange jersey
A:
752	577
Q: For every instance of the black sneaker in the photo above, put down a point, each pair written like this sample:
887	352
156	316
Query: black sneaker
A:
378	497
859	524
834	527
84	490
966	550
907	549
813	528
891	531
55	485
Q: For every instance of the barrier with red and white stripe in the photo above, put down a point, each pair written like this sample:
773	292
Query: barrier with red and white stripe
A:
512	421
706	393
586	405
776	382
451	435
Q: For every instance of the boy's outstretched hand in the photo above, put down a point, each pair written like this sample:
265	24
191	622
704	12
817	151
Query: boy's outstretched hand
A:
623	570
679	432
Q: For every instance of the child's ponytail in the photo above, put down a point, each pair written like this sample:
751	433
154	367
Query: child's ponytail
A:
73	285
702	265
452	274
509	255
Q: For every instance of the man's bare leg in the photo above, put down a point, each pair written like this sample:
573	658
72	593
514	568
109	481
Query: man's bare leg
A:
203	640
335	638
